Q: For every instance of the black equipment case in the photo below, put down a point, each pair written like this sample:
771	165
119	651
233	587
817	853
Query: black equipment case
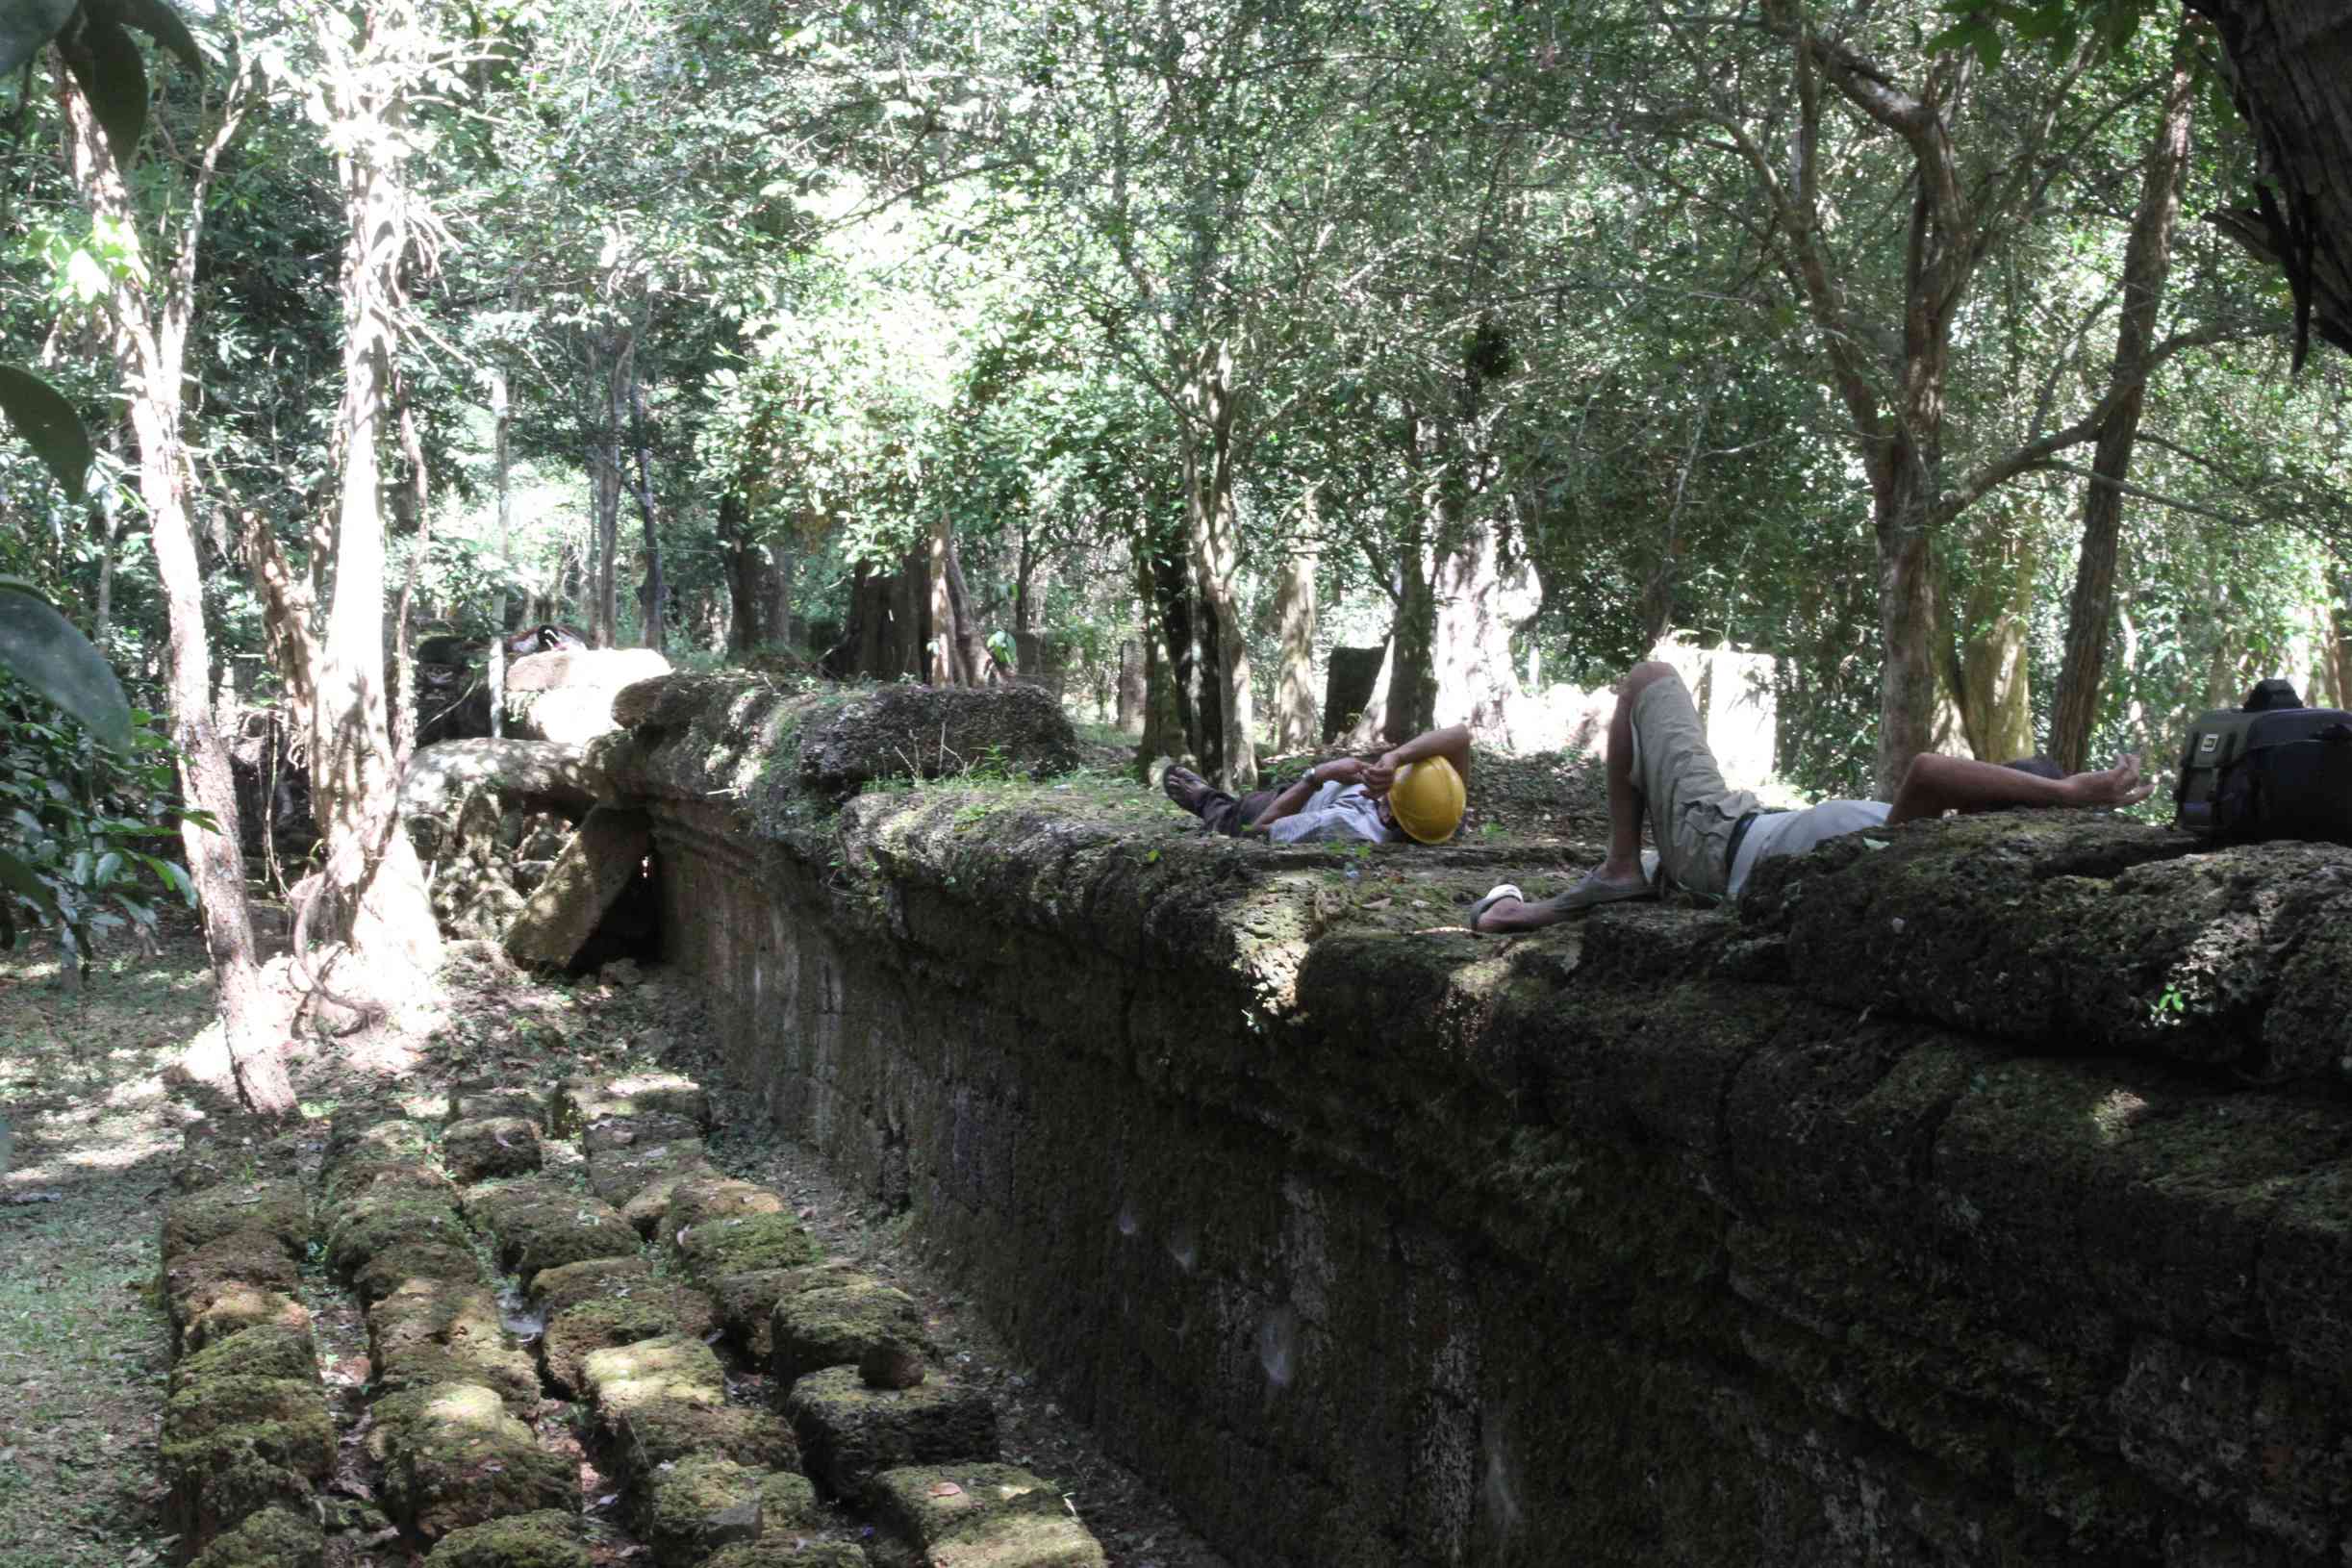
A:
2271	769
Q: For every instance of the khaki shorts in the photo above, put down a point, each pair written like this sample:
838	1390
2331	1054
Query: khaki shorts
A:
1692	811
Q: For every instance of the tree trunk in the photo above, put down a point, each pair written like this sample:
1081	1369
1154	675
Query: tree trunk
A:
2147	259
404	658
604	614
1472	651
745	567
944	664
501	433
1994	693
1215	545
151	353
1412	671
1295	727
654	600
386	917
776	611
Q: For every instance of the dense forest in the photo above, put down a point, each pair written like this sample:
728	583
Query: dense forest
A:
1157	349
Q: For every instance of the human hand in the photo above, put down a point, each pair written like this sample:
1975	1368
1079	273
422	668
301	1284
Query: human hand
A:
1341	771
2119	786
1379	775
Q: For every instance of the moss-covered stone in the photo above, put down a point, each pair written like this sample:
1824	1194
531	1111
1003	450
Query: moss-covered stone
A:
546	1539
849	1433
742	1244
381	1178
714	1197
233	1445
453	1457
580	1101
836	1325
539	1224
559	1290
646	1182
265	1351
431	1331
655	1432
272	1538
788	1552
491	1145
998	1514
235	1151
274	1209
648	1310
241	1257
377	1223
415	1263
223	1311
747	1302
704	1502
473	1102
670	1367
609	1135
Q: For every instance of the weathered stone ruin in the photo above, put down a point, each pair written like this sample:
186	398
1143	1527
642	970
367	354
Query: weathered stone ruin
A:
1982	1195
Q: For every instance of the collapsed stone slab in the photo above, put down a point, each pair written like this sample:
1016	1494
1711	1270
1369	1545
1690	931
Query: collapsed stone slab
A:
538	1224
453	1457
701	1504
587	880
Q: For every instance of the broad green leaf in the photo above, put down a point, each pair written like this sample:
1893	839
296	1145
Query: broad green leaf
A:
42	648
25	25
114	78
108	865
47	423
20	879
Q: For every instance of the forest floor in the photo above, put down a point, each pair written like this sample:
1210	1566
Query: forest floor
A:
91	1092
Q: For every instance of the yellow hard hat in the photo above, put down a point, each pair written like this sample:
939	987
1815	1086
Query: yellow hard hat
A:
1427	800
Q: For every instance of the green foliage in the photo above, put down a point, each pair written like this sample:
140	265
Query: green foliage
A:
80	826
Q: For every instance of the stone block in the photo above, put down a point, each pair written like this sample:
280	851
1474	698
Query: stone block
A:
275	1538
275	1208
559	1289
548	1538
242	1260
702	1503
743	1243
595	868
789	1552
490	1098
423	1262
265	1351
582	1100
656	1176
692	1203
630	1315
944	1516
849	1433
381	1221
747	1302
837	1325
431	1331
453	1457
659	1431
538	1224
491	1145
233	1444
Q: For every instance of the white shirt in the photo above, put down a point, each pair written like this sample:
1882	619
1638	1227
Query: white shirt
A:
1793	832
1337	812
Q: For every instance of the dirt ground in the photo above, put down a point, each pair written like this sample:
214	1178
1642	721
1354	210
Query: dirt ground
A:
94	1106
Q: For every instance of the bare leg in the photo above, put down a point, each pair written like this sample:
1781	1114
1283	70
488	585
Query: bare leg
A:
1620	875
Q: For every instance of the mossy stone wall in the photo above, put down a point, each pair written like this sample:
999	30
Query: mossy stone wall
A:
1678	1237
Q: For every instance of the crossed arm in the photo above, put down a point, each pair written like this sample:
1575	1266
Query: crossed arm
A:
1935	784
1453	743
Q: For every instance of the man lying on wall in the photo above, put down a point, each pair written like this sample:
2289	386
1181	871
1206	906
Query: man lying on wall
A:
1413	790
1711	837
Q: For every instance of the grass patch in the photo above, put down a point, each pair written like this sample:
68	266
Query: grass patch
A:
84	1345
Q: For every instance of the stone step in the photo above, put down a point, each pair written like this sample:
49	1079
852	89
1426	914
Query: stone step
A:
453	1457
944	1516
535	1222
849	1432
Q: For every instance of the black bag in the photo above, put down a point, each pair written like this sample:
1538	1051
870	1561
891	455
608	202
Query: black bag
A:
2271	769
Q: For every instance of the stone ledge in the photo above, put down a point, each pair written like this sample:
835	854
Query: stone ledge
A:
1943	1149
